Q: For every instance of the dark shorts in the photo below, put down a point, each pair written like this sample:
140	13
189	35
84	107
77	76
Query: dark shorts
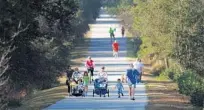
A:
91	70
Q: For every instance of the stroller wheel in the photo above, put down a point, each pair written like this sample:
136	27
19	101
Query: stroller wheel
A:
93	93
108	92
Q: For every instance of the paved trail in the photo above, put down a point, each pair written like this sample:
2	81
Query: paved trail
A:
101	52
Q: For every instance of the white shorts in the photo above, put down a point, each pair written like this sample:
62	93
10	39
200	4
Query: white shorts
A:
130	84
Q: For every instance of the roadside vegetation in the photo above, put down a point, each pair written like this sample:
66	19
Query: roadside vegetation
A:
171	35
36	40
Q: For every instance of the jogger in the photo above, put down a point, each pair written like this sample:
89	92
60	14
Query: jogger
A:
115	47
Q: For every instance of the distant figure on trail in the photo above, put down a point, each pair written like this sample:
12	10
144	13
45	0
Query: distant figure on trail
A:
119	87
69	73
111	32
123	31
131	77
90	68
115	47
138	65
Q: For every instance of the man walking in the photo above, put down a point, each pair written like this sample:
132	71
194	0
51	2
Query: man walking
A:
69	73
111	32
122	31
115	47
131	76
138	65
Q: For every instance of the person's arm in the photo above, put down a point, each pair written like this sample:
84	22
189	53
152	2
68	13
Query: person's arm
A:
73	75
116	86
98	75
105	75
122	86
86	64
126	76
142	67
80	75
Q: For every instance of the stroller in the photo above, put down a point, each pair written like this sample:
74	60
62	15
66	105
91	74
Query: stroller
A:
77	89
100	87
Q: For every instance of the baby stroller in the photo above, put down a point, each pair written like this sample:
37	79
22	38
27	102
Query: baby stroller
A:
77	89
100	87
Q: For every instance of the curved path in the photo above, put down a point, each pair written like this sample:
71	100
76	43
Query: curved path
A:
101	51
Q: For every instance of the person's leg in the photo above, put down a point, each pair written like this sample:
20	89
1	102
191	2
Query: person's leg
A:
140	77
92	70
113	53
111	36
130	92
122	33
116	54
118	93
68	88
114	36
86	90
89	73
121	91
133	92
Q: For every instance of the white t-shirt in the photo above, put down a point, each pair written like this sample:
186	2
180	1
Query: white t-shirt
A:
138	66
102	75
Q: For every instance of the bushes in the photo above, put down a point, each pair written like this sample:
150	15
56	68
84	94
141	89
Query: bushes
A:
191	84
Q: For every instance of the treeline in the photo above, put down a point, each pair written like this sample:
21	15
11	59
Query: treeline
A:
172	31
36	37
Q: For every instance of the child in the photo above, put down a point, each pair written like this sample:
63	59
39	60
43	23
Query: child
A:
86	81
119	86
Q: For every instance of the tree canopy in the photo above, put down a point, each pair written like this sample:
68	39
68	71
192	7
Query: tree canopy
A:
36	37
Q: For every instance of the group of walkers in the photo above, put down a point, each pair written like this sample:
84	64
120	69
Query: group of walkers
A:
78	78
132	77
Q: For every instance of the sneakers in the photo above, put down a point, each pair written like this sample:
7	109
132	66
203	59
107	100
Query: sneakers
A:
133	98
122	94
119	96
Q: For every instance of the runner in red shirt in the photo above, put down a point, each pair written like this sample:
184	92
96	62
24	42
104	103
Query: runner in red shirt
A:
115	47
90	67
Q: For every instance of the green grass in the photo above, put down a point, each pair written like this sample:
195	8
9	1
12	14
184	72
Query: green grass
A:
42	99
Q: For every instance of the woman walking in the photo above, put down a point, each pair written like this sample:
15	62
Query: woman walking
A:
90	67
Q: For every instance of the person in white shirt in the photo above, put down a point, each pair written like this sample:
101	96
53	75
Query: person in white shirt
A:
103	75
76	75
138	65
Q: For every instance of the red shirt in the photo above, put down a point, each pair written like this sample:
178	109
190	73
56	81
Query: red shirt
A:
89	63
115	46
